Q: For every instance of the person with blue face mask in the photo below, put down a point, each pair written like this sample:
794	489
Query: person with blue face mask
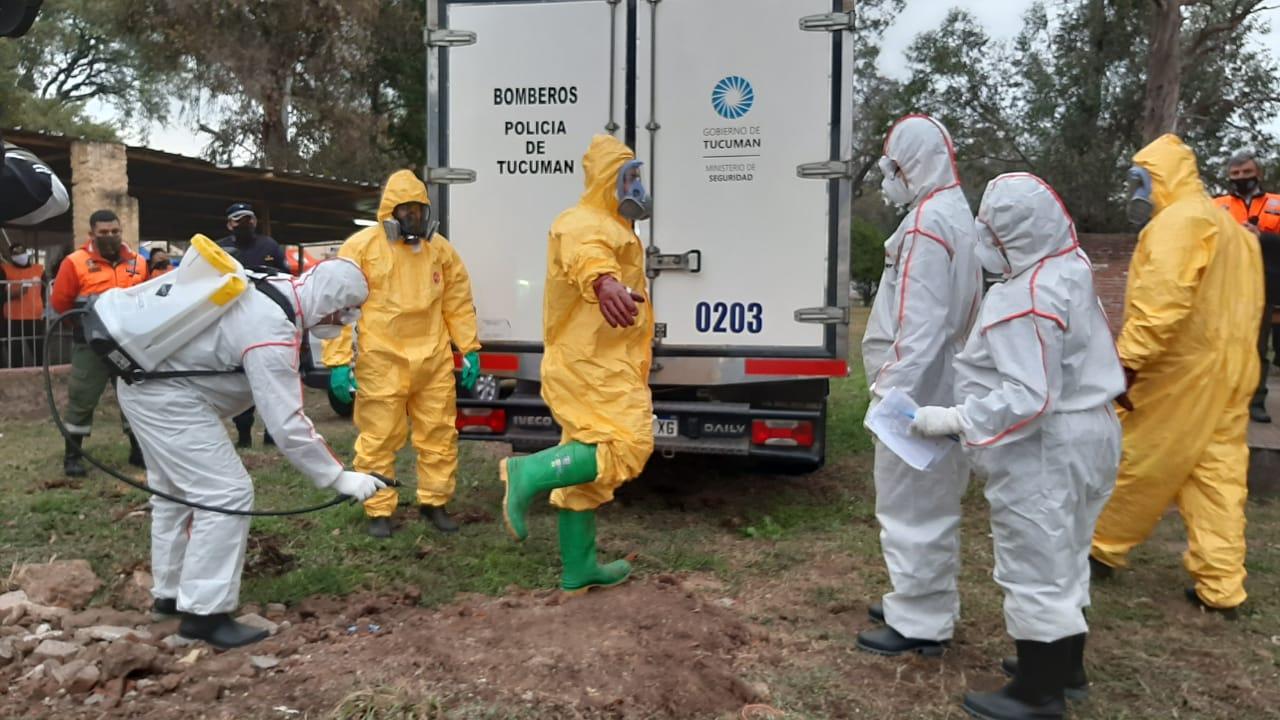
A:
1193	306
598	333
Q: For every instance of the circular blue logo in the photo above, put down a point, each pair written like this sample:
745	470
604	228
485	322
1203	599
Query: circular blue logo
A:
733	97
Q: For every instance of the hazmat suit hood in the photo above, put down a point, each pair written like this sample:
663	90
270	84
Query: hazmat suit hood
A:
1026	219
329	286
1174	173
601	164
922	148
402	187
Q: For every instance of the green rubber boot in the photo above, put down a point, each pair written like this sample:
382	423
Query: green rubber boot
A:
580	571
527	477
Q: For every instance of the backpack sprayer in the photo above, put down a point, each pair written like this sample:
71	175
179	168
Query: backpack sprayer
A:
135	329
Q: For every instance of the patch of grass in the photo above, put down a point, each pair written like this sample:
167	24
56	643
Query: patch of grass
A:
786	550
390	703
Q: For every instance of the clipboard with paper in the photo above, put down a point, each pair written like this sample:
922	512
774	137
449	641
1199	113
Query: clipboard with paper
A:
890	421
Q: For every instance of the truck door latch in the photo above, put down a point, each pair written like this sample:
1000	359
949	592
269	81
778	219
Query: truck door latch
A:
657	262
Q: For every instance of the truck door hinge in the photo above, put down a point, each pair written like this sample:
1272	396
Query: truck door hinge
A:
657	262
823	315
826	170
444	37
450	176
828	22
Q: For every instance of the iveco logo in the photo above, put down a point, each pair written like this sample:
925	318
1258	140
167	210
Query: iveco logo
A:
733	97
532	420
724	428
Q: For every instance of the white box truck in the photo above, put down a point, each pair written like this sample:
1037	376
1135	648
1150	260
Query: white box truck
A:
741	111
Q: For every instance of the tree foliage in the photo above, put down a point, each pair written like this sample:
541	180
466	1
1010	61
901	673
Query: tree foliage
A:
74	55
1070	99
281	81
336	86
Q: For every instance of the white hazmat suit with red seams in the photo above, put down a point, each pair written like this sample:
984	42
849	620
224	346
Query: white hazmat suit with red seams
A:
197	556
927	301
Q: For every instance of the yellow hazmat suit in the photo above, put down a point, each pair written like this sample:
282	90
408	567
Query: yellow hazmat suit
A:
419	300
595	378
1192	310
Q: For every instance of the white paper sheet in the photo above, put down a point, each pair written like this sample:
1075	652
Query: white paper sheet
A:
890	421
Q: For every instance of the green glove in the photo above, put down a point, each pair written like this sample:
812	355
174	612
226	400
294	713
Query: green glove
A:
470	370
342	383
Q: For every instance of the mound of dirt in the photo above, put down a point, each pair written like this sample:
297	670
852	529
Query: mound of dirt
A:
649	649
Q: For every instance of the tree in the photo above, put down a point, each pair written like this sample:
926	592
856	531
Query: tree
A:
1071	98
287	76
867	257
72	56
876	100
1179	42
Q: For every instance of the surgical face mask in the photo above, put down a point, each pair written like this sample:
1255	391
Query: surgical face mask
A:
330	326
411	223
243	232
21	259
326	332
108	244
894	185
1245	188
990	252
1140	207
634	202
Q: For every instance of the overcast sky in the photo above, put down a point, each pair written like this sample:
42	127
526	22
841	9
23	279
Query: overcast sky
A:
1002	18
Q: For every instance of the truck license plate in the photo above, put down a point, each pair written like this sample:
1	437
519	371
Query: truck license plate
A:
666	427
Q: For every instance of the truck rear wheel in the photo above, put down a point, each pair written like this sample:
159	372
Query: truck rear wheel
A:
343	409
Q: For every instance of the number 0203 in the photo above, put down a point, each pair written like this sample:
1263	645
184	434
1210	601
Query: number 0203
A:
735	318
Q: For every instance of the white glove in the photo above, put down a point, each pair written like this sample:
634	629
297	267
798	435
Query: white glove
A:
357	485
935	421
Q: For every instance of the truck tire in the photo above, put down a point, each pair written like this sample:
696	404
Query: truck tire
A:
343	409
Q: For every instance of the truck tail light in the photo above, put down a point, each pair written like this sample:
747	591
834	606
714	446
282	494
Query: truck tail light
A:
487	421
782	433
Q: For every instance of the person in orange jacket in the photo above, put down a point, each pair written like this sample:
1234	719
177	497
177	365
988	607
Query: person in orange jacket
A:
1259	212
158	263
23	307
102	263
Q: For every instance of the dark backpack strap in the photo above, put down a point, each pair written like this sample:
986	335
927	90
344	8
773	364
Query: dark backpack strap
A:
264	286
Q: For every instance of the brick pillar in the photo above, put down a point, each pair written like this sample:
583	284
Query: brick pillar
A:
100	181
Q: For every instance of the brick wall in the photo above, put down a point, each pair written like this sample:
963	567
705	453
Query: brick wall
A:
1110	255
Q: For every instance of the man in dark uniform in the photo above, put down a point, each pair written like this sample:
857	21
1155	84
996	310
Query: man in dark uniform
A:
252	250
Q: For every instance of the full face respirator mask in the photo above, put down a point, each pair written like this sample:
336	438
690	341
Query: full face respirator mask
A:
411	223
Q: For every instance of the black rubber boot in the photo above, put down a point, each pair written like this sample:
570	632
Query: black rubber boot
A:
267	439
1099	570
72	464
875	611
135	453
1035	693
219	630
164	609
1077	684
1193	597
436	516
245	440
887	641
1259	414
380	527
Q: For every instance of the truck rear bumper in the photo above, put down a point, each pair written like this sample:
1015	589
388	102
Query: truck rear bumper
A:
699	428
